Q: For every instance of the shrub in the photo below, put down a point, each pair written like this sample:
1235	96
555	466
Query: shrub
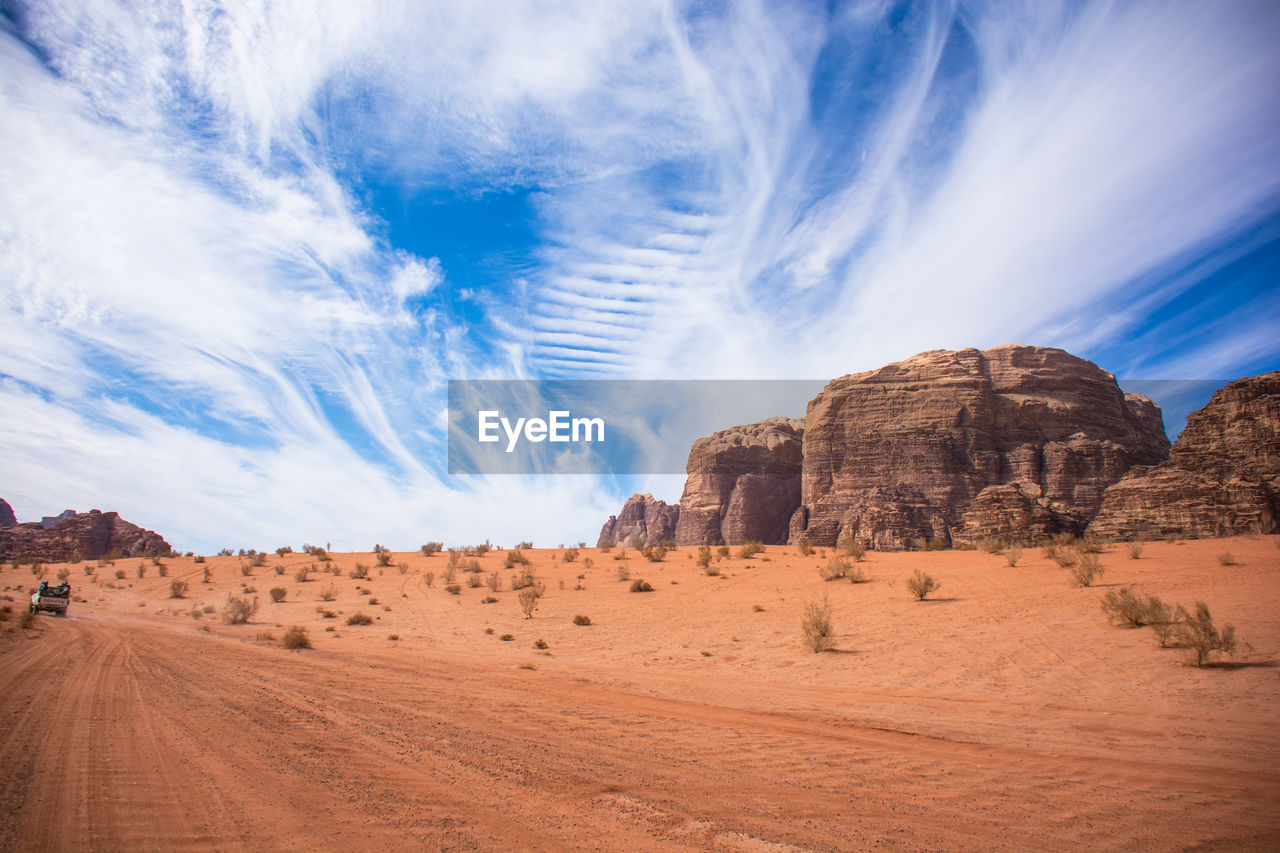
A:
327	614
506	638
1199	636
162	570
208	574
475	581
750	549
529	600
852	548
816	625
296	638
1087	570
570	554
1064	540
607	545
328	595
494	582
284	549
302	574
384	558
1226	559
199	559
640	585
654	555
278	593
259	559
921	584
239	610
522	581
279	570
1134	549
526	544
990	544
142	570
711	571
429	578
516	558
26	620
1013	555
472	566
834	569
177	588
1065	557
450	572
704	556
120	575
581	620
1161	620
432	548
805	544
453	589
1089	545
539	644
359	619
246	570
723	552
360	572
624	574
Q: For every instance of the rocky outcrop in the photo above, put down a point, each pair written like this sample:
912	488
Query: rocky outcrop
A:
7	517
1015	441
743	484
54	520
85	536
1222	477
643	519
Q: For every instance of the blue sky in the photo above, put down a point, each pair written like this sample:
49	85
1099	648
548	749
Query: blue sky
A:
246	245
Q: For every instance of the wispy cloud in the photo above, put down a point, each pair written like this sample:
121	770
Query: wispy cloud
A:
202	297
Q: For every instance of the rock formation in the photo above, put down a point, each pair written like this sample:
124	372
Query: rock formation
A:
643	519
743	484
1221	479
54	520
1015	441
86	536
7	517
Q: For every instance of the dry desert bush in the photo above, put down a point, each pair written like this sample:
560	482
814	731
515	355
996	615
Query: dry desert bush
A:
654	554
278	593
640	585
1198	635
453	589
208	574
704	557
1134	550
177	588
199	558
296	638
750	549
1226	559
475	581
328	594
581	620
494	582
921	584
570	554
816	626
624	574
852	548
990	544
432	548
428	578
805	546
529	600
360	572
1013	555
358	618
516	558
1087	569
239	610
834	569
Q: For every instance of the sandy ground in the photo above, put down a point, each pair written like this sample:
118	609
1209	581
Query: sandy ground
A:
1005	715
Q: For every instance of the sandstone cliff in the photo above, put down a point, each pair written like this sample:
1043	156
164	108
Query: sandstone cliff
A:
7	517
86	536
1222	477
743	484
643	519
1015	441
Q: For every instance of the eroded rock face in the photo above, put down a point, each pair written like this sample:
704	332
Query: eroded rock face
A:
643	519
900	454
1222	477
85	536
743	484
7	517
54	520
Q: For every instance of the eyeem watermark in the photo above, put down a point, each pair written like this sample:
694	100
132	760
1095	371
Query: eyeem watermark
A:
559	427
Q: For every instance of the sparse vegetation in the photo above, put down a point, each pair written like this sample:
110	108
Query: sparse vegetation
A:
921	585
581	620
120	575
805	546
453	589
539	644
432	548
360	572
1126	607
704	557
384	558
1013	555
816	625
723	552
199	558
1134	550
834	569
624	574
1226	559
641	585
516	558
654	554
529	600
239	610
1197	633
278	593
177	588
328	594
296	638
852	548
359	618
750	549
990	544
208	574
570	554
494	582
1087	570
475	581
429	578
303	574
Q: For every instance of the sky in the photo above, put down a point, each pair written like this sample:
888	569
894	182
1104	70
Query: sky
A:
245	245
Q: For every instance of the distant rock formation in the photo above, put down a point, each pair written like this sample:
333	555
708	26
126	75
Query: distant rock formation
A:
1015	441
85	536
643	519
1222	477
54	520
7	518
743	484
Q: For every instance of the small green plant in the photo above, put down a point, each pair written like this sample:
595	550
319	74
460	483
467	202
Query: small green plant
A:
1198	635
750	549
278	593
816	625
640	585
296	638
177	588
921	585
358	618
581	620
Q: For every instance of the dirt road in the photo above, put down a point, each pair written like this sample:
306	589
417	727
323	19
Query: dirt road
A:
128	731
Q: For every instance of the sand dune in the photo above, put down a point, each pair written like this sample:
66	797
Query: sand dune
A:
1007	714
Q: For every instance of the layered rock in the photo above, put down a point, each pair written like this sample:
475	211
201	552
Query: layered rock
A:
1015	441
643	519
54	520
1222	477
7	517
743	484
85	536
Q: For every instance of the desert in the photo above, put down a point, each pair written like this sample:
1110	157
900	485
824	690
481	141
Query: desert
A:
1003	712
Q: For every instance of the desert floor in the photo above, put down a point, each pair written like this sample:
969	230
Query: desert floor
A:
1007	714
